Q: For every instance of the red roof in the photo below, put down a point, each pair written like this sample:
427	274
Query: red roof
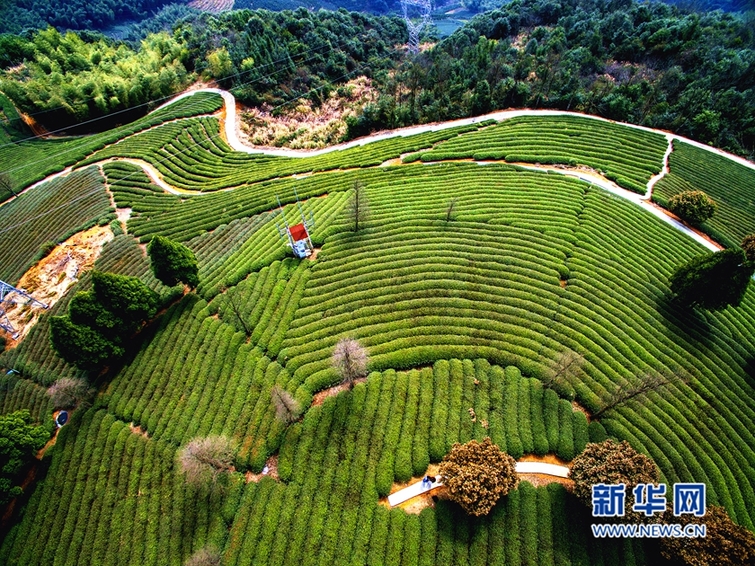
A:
298	232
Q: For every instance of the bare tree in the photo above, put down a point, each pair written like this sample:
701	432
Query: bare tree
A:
450	209
207	556
566	367
6	183
205	459
68	392
350	360
357	208
232	301
287	409
645	384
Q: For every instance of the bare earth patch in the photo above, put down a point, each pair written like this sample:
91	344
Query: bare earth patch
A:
49	280
320	396
577	407
270	469
138	430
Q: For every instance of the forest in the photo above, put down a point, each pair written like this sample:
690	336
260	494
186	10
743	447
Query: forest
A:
645	63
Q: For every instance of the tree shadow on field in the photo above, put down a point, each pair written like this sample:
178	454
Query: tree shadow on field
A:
688	323
749	369
140	339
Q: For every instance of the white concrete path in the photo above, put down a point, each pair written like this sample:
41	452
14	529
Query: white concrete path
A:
421	487
643	201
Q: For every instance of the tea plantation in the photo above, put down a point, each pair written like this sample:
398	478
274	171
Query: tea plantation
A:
464	284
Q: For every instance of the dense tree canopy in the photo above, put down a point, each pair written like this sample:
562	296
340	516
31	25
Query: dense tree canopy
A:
69	79
266	57
638	62
712	281
17	15
100	321
645	63
477	474
172	262
610	462
19	440
725	543
81	345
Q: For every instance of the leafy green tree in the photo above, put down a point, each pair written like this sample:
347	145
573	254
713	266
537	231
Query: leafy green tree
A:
19	440
80	345
712	281
477	474
693	206
173	262
101	320
725	543
126	297
85	309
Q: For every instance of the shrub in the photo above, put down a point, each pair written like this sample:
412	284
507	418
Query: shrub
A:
712	281
724	544
476	474
610	462
693	206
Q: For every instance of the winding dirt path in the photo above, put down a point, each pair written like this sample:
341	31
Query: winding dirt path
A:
229	118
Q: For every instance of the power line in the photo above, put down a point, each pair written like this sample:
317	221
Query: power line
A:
191	146
164	98
73	149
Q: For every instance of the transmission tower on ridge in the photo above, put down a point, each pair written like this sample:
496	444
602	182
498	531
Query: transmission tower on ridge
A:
6	292
416	10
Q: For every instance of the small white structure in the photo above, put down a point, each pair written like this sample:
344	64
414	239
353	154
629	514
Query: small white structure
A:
297	236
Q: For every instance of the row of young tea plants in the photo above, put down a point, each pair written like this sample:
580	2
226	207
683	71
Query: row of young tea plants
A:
114	497
49	214
625	155
727	182
334	463
29	160
192	155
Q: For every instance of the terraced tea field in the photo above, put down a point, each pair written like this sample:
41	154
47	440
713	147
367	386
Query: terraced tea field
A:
462	310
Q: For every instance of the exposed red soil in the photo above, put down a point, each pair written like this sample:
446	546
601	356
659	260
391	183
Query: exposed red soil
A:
272	471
